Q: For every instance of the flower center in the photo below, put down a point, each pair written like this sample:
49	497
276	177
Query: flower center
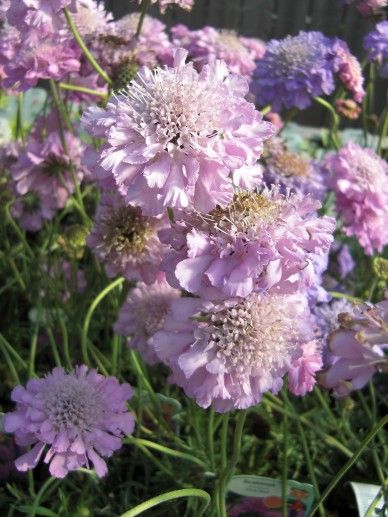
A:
293	53
290	164
229	39
54	165
72	403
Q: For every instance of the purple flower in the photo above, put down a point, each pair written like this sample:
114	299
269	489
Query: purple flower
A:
81	416
208	44
44	168
175	135
346	262
301	374
228	354
143	314
376	44
359	180
125	240
292	171
259	242
327	314
349	70
358	349
9	45
33	209
294	70
371	8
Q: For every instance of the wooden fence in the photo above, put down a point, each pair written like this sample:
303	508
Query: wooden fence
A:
268	19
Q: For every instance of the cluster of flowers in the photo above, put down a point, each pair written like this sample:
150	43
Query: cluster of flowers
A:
228	252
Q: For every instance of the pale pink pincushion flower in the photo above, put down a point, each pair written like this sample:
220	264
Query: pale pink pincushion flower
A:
369	8
357	348
45	168
163	4
349	70
175	136
302	373
208	44
80	416
228	354
143	314
359	178
259	242
125	240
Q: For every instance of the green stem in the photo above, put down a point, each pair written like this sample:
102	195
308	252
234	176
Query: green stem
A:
169	496
336	294
93	63
285	464
9	362
144	7
31	364
14	225
40	494
210	438
65	343
384	130
82	89
92	308
54	347
340	474
13	352
335	121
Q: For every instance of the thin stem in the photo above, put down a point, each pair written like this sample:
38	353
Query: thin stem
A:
384	130
210	438
335	121
340	474
31	364
144	7
336	294
92	308
93	63
285	465
15	226
54	347
65	343
9	362
224	440
13	352
40	494
82	89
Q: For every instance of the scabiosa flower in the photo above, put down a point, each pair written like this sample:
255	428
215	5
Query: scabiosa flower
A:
9	45
81	416
371	8
349	70
259	242
376	44
208	44
292	171
346	263
175	135
45	168
125	240
143	314
358	349
230	353
294	70
326	315
301	374
33	209
359	180
348	108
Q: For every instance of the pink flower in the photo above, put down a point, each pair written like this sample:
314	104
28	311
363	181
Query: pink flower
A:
369	8
143	314
175	135
359	180
80	416
349	70
125	240
33	209
259	242
208	44
45	168
229	354
163	4
301	374
358	349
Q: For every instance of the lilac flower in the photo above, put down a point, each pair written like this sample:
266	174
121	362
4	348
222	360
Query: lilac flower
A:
208	44
9	45
33	209
230	353
376	44
292	171
301	374
42	16
359	180
294	70
81	416
45	169
143	314
349	70
371	8
175	135
259	242
125	240
346	262
327	314
358	349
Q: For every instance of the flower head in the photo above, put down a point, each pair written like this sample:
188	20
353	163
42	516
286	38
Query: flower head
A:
358	349
376	44
33	209
359	180
143	314
230	353
175	135
348	108
349	70
294	70
327	315
80	416
371	8
208	44
301	374
259	242
292	171
125	240
163	4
